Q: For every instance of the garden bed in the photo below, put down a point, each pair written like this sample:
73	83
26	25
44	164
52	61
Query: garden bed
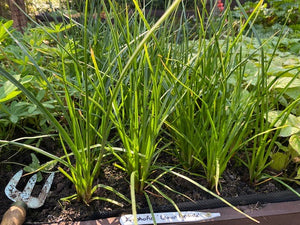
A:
234	185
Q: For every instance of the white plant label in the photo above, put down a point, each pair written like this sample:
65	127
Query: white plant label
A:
168	217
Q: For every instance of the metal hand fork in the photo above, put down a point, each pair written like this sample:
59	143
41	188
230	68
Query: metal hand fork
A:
16	214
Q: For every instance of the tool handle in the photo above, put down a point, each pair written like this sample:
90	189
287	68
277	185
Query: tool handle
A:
15	215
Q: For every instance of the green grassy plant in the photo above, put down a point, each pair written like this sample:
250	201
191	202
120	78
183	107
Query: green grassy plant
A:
81	105
216	111
142	104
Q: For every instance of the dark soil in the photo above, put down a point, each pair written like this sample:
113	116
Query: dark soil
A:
233	183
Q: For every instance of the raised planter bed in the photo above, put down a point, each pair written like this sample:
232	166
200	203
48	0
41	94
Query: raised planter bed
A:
277	208
268	214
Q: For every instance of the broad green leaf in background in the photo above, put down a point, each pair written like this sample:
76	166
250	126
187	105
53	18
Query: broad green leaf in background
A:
282	64
294	142
292	84
3	28
14	118
57	28
292	123
280	161
8	91
293	93
284	82
298	174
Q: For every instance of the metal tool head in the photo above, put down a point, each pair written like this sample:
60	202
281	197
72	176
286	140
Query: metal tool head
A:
32	202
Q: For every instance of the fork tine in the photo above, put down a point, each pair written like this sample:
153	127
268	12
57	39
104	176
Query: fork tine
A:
46	188
32	202
36	202
28	188
10	190
15	179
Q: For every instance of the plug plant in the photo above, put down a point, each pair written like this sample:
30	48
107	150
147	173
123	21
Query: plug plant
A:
142	104
216	111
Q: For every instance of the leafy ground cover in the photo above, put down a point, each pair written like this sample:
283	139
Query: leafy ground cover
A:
192	99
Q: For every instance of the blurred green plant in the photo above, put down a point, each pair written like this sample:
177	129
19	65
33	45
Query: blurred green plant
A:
289	127
275	15
3	28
